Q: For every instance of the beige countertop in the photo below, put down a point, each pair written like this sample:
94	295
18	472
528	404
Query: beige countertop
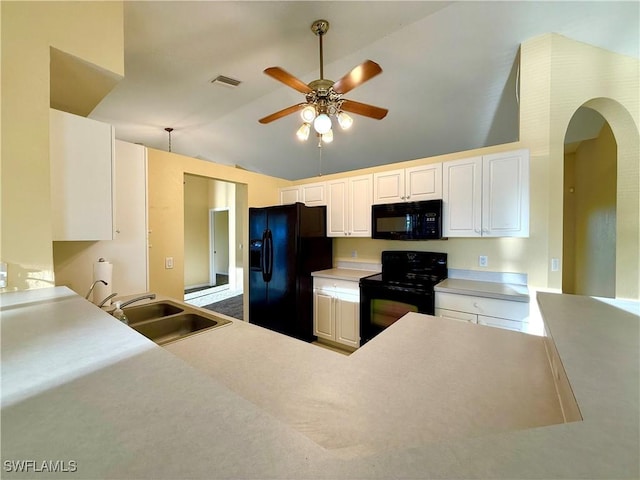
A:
501	291
343	274
79	385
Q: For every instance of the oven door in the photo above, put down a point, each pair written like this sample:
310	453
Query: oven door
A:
381	305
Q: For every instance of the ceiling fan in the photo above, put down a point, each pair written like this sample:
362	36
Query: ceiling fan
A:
324	97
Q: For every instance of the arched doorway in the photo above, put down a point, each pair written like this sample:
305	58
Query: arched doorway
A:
589	206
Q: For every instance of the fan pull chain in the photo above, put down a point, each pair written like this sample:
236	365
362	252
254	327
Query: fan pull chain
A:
319	156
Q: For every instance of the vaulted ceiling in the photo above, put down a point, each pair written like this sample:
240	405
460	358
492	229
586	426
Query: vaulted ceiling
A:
449	75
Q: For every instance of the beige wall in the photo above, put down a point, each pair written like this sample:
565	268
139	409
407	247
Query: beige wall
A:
92	31
610	84
166	211
590	210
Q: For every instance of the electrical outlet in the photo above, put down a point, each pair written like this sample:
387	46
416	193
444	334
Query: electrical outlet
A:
354	254
483	261
168	263
555	264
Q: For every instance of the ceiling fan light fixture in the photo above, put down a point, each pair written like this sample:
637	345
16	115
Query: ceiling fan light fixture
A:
308	113
327	137
303	132
345	121
322	124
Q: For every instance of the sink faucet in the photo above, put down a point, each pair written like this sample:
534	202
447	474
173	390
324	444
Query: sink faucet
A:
106	299
93	285
150	296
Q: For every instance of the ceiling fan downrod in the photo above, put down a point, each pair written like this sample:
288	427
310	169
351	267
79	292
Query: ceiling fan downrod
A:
320	27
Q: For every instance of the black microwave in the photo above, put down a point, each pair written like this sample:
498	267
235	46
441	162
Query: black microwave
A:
407	220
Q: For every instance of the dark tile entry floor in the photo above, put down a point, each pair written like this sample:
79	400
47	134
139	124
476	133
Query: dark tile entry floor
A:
230	306
220	280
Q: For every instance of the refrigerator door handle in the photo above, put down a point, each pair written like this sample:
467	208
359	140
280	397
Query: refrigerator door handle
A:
263	255
268	270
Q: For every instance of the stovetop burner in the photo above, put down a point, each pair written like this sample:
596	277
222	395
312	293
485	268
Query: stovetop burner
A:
411	269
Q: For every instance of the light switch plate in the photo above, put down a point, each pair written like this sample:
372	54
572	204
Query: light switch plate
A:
168	263
555	264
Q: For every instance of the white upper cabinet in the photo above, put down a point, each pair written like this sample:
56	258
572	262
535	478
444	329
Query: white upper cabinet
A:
311	194
408	184
505	194
487	196
314	194
349	203
81	154
462	198
290	195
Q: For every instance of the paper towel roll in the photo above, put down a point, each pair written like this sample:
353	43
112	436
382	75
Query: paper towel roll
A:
102	270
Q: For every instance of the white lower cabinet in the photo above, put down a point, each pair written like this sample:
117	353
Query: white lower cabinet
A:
336	311
507	314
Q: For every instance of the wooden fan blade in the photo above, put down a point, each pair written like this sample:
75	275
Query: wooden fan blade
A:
360	74
288	79
364	109
282	113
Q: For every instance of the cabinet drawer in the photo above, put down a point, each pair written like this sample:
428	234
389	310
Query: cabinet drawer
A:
453	315
500	323
490	307
335	285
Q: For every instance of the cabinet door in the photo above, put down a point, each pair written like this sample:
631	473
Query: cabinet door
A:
129	245
462	198
337	208
423	183
314	194
82	195
323	316
505	194
388	187
348	320
289	195
360	200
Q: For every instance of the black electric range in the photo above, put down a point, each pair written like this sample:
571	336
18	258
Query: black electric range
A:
405	285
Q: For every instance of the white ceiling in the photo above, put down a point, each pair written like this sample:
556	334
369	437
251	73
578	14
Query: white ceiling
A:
449	78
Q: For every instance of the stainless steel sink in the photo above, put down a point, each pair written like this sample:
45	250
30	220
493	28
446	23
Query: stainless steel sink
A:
165	321
140	313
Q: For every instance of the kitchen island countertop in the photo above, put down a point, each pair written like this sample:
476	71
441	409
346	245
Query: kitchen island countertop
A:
78	385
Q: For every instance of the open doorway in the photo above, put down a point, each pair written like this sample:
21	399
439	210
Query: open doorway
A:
219	247
214	219
589	226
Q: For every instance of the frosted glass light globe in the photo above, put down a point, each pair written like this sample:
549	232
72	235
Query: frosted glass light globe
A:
303	132
322	123
308	114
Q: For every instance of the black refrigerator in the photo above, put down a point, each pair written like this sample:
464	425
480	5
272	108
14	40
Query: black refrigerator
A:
287	243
